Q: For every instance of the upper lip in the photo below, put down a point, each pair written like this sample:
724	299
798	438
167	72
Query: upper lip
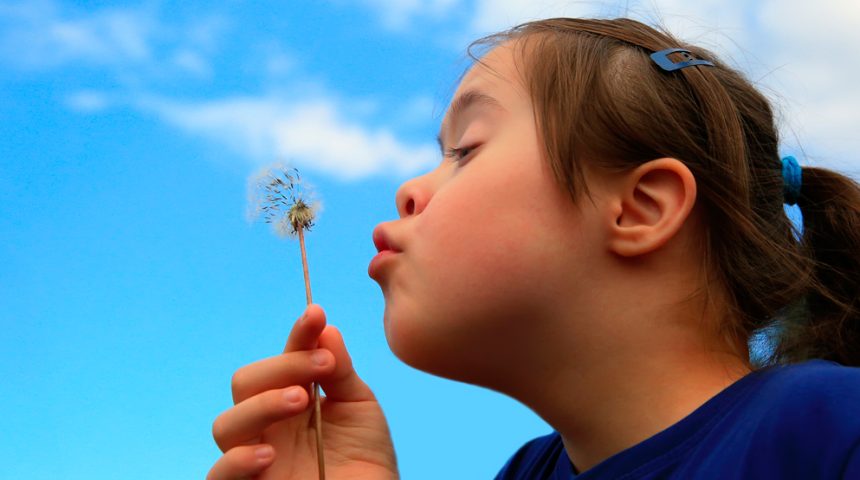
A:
382	241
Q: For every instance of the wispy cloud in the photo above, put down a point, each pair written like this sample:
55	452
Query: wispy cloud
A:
315	132
43	34
711	21
192	62
789	46
278	64
39	34
88	101
494	15
312	134
812	44
400	14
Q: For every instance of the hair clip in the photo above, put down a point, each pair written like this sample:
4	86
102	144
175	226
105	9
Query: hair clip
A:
662	59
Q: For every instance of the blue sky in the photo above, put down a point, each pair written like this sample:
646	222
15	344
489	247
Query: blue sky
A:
132	285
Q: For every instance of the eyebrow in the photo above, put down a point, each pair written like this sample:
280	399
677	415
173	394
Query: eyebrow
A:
466	100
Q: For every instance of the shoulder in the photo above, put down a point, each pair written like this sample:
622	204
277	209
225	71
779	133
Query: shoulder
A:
535	459
815	388
807	414
792	421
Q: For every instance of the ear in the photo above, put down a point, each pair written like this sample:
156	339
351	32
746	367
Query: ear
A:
650	205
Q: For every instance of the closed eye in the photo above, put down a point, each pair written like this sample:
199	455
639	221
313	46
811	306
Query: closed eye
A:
458	154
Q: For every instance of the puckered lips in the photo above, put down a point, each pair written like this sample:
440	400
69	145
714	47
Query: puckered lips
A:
385	251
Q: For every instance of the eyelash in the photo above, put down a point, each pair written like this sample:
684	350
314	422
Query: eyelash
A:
458	154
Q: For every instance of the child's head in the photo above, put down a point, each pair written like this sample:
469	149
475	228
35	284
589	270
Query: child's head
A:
488	241
600	101
510	226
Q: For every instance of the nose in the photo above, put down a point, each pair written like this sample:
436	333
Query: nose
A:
413	195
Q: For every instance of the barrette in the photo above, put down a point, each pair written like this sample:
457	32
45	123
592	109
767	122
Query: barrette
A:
662	59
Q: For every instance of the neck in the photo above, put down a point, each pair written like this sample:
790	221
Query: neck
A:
621	376
618	404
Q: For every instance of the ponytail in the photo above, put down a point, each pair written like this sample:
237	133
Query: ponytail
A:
825	323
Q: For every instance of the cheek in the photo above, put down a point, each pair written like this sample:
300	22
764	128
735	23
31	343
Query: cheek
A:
469	239
494	226
477	272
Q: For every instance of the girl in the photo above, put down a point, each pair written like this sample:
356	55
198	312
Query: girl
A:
603	236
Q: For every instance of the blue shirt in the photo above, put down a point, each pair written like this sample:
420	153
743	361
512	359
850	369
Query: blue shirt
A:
785	422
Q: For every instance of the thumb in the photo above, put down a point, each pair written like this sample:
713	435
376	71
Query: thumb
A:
343	384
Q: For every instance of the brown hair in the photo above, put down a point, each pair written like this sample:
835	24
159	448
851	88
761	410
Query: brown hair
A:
598	96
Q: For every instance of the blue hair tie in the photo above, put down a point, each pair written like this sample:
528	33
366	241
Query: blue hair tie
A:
791	179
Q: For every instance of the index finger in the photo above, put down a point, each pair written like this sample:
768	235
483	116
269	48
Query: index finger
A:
307	329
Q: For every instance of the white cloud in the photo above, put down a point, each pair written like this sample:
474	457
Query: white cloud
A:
206	32
192	62
88	101
814	46
37	34
131	41
278	64
312	134
495	15
419	110
315	132
703	20
399	14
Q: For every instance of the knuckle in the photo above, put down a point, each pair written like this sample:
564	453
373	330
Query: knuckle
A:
238	382
218	431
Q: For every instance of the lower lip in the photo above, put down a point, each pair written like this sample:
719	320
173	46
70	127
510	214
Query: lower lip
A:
378	262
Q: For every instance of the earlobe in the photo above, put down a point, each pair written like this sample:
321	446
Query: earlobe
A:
652	203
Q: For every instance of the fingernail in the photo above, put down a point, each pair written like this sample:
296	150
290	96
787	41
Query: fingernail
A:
264	453
319	358
292	395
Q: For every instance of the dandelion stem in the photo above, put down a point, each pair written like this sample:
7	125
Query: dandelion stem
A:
316	386
286	208
301	234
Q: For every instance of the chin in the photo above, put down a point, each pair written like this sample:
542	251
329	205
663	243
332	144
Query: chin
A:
413	340
434	347
401	333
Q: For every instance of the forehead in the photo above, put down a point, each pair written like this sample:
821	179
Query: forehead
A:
496	69
495	75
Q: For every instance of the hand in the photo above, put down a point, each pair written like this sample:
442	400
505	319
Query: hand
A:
273	410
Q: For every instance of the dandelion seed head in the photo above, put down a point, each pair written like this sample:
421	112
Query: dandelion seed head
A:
279	196
283	228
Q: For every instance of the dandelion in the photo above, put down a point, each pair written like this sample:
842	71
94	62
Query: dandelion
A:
283	200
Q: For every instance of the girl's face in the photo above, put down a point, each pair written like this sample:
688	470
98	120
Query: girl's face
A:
486	244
